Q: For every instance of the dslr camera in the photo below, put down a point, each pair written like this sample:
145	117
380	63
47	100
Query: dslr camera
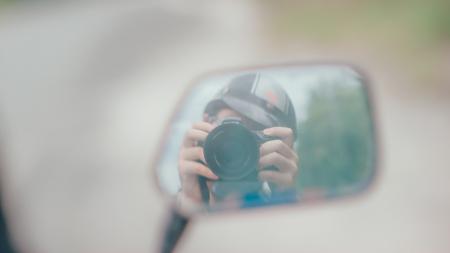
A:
232	153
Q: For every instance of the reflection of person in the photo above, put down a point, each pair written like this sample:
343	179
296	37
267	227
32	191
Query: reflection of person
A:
260	104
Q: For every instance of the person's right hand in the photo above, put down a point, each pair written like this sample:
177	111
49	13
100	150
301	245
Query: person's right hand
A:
188	163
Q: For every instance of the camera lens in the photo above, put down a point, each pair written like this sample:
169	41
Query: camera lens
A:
231	151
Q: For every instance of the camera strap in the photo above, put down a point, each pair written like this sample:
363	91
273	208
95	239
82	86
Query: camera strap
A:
204	191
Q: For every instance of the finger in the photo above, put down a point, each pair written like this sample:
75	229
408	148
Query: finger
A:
196	168
279	178
279	161
280	147
203	126
192	154
284	133
193	136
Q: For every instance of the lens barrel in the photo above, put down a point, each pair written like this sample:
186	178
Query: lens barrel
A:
232	150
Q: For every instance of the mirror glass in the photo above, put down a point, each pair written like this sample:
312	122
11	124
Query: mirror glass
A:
269	136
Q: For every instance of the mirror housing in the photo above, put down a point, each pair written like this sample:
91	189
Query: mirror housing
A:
266	136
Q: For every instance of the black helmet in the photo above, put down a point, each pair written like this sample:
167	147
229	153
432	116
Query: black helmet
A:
257	97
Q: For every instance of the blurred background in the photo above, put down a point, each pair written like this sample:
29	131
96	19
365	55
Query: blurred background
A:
86	89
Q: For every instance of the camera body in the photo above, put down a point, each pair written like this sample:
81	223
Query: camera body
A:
232	152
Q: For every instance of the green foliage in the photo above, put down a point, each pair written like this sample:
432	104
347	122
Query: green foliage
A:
335	144
411	36
420	22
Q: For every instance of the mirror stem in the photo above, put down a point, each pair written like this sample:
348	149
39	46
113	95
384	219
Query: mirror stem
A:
173	231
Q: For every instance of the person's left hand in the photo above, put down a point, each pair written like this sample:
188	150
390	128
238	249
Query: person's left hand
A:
280	154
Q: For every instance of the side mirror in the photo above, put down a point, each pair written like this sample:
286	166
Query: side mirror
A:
266	136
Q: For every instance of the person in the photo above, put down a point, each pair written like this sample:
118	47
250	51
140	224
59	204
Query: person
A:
261	105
